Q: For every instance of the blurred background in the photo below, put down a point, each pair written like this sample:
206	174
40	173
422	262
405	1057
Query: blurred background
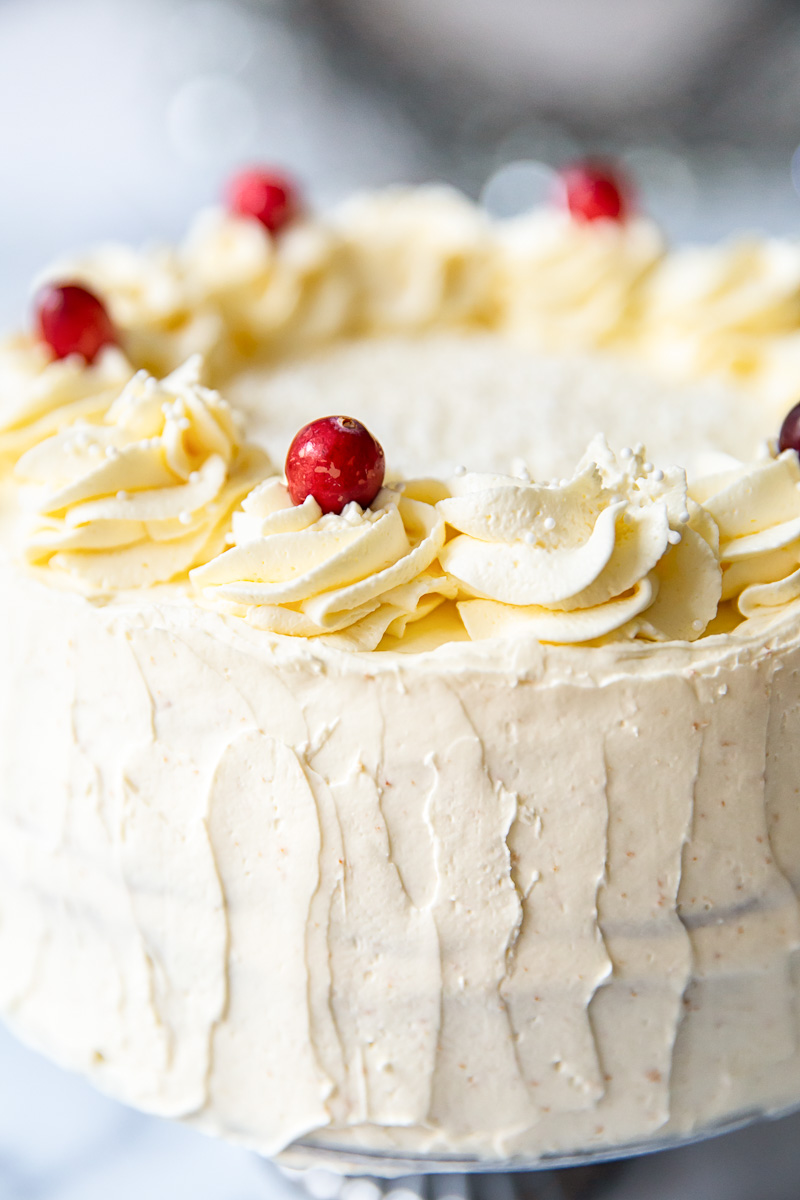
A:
120	118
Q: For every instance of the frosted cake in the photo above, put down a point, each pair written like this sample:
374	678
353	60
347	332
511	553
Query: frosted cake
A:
458	820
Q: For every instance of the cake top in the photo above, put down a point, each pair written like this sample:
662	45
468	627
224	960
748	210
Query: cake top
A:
130	472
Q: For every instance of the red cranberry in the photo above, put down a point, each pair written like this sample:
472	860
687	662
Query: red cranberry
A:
789	438
269	196
335	460
71	320
595	192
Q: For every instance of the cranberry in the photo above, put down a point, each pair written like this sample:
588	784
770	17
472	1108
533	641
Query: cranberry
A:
71	320
269	196
594	192
335	460
789	438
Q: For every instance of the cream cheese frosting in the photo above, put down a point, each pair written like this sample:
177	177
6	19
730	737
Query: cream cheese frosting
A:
578	560
295	571
138	499
302	861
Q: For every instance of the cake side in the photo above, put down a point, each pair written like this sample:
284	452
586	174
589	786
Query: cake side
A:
278	894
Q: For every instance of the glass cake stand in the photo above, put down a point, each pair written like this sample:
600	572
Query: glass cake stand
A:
324	1173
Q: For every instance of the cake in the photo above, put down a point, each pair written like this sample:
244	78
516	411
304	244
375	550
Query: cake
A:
462	821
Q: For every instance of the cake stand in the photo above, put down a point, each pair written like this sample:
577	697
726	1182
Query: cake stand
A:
322	1173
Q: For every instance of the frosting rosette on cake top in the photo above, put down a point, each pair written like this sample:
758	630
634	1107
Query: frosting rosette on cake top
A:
161	317
353	576
140	498
570	285
421	257
40	395
273	293
618	549
730	310
757	509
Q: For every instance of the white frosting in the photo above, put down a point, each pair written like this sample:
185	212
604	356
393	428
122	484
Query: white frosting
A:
575	561
294	571
142	497
570	285
489	895
39	397
731	310
757	510
498	897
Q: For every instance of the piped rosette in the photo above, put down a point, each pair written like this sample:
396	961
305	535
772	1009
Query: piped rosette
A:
617	550
350	577
757	509
39	395
142	497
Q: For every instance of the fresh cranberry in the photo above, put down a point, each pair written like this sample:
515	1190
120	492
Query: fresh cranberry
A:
594	192
71	320
789	438
269	196
335	460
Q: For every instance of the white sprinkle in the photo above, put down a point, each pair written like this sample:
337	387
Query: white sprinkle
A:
626	452
722	690
673	537
549	523
123	496
528	538
684	516
193	478
647	467
112	452
697	625
94	450
184	423
563	483
82	441
658	474
185	518
460	470
524	474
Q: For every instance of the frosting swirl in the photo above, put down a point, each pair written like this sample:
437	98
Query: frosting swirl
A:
140	498
616	549
757	509
421	256
161	316
40	396
354	576
731	310
569	285
272	293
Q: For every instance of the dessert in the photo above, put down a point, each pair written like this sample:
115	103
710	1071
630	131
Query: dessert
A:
452	811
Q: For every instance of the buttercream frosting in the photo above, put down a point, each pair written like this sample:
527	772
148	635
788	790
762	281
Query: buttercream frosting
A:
614	549
295	571
138	499
478	898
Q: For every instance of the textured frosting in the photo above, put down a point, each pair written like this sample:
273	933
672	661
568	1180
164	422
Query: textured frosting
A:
492	897
501	898
614	549
294	571
139	499
39	397
757	510
732	310
568	285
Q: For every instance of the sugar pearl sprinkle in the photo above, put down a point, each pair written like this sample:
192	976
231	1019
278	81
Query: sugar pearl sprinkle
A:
673	537
549	524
